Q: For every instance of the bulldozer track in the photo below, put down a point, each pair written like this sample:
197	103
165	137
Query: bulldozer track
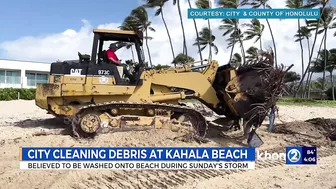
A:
163	179
199	122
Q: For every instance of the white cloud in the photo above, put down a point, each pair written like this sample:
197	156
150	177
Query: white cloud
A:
65	45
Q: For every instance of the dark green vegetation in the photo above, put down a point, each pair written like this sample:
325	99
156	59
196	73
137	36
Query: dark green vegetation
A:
14	94
305	102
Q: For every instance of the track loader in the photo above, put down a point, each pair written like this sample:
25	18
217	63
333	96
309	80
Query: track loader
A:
96	96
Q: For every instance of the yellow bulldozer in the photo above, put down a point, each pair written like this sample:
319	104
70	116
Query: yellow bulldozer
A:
96	96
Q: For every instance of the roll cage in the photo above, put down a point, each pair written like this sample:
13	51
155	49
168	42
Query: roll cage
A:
103	35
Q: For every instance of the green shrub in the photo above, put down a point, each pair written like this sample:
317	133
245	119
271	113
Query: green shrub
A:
305	101
12	94
329	93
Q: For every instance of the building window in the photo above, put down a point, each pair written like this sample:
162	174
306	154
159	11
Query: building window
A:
10	77
30	79
2	77
35	78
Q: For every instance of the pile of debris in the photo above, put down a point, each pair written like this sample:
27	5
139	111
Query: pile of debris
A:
316	131
326	126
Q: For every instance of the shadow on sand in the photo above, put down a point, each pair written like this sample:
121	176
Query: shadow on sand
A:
48	125
216	135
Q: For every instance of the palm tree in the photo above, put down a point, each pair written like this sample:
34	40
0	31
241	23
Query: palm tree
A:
299	37
311	4
255	29
290	79
327	61
317	67
297	4
263	3
230	27
159	5
138	21
197	36
326	22
206	41
232	41
181	20
233	4
182	59
130	46
304	33
252	53
314	68
318	84
331	67
205	4
236	60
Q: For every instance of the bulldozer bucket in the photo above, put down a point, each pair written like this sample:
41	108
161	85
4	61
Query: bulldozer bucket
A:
254	90
249	92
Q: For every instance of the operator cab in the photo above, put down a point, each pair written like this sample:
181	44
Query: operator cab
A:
98	65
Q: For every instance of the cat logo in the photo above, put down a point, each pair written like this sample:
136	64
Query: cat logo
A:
75	71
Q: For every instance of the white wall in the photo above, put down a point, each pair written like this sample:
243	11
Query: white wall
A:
23	66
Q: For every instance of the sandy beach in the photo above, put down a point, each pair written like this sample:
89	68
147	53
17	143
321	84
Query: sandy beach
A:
21	124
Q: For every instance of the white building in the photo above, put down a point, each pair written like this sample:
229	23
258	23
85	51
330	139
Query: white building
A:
22	74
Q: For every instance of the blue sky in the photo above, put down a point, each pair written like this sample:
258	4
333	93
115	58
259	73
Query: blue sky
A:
46	31
41	17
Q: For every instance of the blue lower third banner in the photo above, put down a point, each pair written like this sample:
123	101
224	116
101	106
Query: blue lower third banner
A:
220	13
137	158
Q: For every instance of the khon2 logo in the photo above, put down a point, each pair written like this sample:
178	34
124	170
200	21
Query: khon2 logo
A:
294	155
301	155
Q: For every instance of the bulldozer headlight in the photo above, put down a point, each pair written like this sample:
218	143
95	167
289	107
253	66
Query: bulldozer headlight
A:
57	79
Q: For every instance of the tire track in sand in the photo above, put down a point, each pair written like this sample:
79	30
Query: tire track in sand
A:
163	179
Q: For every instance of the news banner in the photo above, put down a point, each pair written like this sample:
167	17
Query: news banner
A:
154	158
249	13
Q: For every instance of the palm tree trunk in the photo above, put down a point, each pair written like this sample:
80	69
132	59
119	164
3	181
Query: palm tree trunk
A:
184	38
311	52
149	55
132	53
241	43
242	50
210	51
260	42
274	46
325	61
306	90
302	60
319	50
309	86
165	24
197	35
231	53
332	85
